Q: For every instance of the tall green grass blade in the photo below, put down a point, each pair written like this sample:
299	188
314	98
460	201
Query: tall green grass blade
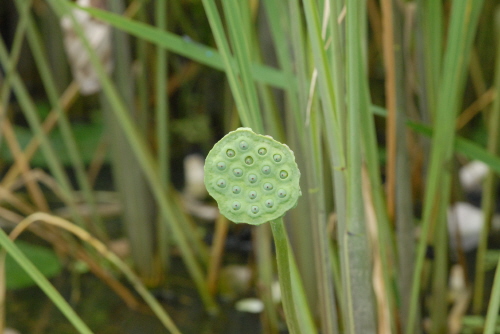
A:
17	43
30	111
285	32
336	157
239	94
360	305
463	21
49	82
241	42
440	275
43	283
130	180
430	18
143	76
161	98
184	46
284	271
490	325
144	157
162	121
489	189
404	221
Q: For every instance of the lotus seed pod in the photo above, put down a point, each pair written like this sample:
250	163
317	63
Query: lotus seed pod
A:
253	178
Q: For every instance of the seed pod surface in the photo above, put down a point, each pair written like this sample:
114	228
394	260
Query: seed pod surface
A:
253	178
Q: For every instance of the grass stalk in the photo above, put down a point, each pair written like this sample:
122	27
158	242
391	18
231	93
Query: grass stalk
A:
430	17
491	325
361	304
440	276
6	127
283	260
463	21
162	123
390	93
29	109
241	43
263	254
107	254
197	52
230	67
9	247
333	132
129	178
489	190
145	159
49	82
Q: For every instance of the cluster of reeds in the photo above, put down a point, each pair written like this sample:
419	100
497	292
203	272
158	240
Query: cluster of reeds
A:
345	74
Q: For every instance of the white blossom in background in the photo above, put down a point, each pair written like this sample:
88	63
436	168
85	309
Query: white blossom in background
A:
194	189
10	331
250	305
472	175
99	36
467	220
193	176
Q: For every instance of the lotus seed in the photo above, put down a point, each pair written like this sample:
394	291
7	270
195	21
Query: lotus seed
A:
221	165
243	145
268	186
221	183
253	178
281	193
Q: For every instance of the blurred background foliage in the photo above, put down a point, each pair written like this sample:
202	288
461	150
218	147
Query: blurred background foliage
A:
107	109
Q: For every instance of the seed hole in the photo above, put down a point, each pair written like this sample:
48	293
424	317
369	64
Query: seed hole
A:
236	189
281	193
230	153
262	151
221	165
236	205
249	160
237	172
269	203
252	194
277	157
283	174
255	209
221	183
266	169
268	186
252	178
243	145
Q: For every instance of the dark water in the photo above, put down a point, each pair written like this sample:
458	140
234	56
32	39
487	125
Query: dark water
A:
30	311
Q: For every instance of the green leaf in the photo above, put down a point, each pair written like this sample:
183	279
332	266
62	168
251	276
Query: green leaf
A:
43	258
87	138
184	46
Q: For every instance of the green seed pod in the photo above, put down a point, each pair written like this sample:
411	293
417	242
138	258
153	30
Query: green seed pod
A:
253	178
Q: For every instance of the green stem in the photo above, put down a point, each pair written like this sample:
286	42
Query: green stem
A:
282	257
492	315
9	247
488	197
